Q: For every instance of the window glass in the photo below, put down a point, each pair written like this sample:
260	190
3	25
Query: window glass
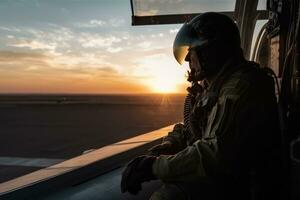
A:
165	7
75	75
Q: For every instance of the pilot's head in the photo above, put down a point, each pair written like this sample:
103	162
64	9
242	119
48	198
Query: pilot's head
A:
207	42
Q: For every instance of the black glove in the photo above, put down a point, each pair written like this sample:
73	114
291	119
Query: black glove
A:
165	148
136	172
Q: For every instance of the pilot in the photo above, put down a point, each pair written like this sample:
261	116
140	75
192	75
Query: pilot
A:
229	146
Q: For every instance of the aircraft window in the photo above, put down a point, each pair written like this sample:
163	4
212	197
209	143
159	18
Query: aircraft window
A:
258	26
75	76
262	5
165	7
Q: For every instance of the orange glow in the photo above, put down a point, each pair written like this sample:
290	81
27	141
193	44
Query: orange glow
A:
161	73
162	84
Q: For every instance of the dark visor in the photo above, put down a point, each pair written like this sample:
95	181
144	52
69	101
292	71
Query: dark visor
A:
186	39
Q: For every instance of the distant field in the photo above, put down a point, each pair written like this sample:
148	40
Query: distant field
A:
63	126
164	99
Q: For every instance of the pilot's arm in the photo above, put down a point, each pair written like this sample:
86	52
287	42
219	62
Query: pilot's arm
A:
241	135
174	142
229	138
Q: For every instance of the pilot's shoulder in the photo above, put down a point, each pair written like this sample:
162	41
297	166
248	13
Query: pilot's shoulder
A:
248	78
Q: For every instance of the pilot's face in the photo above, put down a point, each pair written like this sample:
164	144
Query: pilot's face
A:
194	63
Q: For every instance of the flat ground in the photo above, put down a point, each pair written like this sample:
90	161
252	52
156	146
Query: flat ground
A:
35	135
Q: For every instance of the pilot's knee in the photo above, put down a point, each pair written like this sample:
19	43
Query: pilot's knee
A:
168	192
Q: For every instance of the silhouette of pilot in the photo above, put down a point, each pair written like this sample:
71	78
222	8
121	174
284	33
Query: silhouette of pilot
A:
229	144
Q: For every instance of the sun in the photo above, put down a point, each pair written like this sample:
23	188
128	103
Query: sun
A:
161	74
165	80
164	85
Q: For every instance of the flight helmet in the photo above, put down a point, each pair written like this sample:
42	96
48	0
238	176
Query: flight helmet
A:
214	36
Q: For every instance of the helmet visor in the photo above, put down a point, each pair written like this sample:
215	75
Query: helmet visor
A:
186	39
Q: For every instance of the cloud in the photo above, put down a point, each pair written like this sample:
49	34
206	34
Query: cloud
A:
91	24
34	44
37	72
19	61
114	50
73	62
19	74
116	22
150	46
95	23
157	35
11	55
140	37
56	33
88	40
10	29
144	45
54	39
31	68
173	31
156	50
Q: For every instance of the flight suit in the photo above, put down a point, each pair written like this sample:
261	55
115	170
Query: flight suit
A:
238	152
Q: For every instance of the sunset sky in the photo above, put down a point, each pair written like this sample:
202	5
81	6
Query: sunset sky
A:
84	46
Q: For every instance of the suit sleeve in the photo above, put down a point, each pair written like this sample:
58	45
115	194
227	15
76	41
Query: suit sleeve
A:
177	137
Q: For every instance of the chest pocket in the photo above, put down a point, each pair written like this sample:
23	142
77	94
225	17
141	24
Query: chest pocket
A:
212	117
221	117
201	110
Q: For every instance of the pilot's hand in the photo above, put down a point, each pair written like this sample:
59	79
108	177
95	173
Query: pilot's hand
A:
165	148
137	171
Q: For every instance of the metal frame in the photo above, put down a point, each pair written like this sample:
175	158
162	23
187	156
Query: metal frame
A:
166	19
180	18
246	16
258	43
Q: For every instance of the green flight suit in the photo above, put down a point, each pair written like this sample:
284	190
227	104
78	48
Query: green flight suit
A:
239	150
